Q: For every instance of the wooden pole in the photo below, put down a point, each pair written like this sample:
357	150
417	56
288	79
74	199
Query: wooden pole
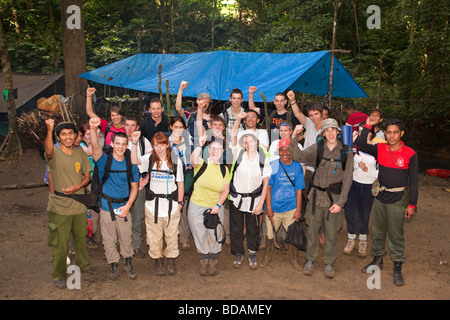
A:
333	45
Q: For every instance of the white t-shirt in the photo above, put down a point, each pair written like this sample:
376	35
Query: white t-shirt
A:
248	177
358	174
162	183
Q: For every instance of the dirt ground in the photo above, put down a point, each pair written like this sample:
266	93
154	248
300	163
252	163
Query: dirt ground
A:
26	260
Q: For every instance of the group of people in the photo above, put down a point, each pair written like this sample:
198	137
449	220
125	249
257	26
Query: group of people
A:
169	174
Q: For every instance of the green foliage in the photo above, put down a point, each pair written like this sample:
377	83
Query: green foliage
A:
404	66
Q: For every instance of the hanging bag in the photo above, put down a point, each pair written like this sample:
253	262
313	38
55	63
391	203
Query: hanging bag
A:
212	221
296	236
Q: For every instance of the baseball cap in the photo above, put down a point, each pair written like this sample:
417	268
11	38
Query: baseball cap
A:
283	143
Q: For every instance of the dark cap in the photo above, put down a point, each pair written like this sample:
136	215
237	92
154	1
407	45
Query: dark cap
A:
65	125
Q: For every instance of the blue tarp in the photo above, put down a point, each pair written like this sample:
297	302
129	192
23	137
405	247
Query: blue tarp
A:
218	72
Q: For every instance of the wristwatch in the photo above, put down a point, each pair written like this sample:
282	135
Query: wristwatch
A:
181	202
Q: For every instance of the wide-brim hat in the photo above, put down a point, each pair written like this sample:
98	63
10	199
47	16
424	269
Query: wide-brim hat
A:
203	96
330	123
247	133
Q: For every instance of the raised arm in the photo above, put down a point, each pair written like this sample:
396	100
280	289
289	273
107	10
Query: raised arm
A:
179	100
48	143
97	151
307	156
89	108
135	140
251	99
361	143
295	109
235	129
195	155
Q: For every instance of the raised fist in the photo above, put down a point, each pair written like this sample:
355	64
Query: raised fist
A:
252	89
90	92
298	129
291	95
135	135
183	85
94	122
50	123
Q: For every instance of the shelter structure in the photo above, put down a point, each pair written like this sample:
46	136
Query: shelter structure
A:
218	72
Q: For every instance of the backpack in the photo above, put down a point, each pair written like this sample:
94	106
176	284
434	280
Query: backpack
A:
151	195
255	193
334	188
92	199
97	183
190	178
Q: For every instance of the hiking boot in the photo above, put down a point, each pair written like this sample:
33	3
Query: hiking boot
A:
91	270
308	268
362	249
252	260
377	261
329	271
203	268
171	269
129	269
113	272
60	284
212	267
350	246
238	261
294	258
267	253
139	253
91	244
398	277
185	246
160	267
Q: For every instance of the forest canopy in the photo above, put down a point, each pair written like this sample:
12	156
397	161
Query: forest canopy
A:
403	65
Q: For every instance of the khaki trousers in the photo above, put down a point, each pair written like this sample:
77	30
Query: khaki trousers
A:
279	218
113	231
160	231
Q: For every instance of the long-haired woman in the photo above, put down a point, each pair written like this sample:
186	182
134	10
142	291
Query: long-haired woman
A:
164	200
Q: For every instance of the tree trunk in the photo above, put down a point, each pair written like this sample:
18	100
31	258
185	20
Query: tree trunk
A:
74	51
212	24
14	147
162	8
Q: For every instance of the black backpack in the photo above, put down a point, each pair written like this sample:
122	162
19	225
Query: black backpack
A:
150	195
97	183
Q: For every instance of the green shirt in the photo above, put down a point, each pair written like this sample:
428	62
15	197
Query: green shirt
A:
67	170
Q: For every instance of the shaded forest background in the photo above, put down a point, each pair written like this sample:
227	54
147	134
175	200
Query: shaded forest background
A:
404	66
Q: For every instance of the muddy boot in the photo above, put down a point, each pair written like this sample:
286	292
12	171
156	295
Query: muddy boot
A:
203	268
171	269
398	277
129	269
377	261
294	258
267	253
160	267
212	267
113	272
